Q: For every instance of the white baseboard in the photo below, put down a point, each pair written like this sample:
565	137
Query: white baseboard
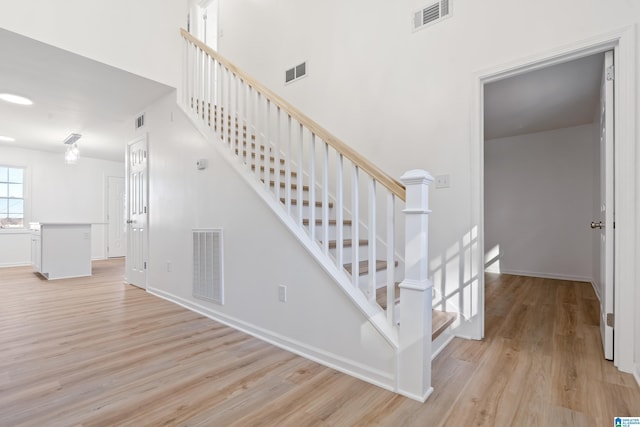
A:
379	378
547	275
441	342
415	396
636	373
19	264
595	290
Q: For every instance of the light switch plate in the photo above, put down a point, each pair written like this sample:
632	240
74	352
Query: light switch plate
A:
443	181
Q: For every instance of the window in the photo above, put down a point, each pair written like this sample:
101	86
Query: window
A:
11	197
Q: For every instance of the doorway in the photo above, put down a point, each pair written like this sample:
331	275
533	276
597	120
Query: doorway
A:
116	243
548	175
137	212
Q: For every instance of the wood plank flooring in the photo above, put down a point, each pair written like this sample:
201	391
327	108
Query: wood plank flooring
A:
95	352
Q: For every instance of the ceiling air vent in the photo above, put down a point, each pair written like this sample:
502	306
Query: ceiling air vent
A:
432	13
295	73
140	121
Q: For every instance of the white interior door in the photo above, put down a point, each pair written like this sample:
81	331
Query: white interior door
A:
116	243
605	224
137	212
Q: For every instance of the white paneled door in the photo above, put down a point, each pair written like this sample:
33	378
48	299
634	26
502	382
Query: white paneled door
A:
116	243
137	212
606	222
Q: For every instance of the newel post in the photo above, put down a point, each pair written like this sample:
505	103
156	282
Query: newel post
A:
414	353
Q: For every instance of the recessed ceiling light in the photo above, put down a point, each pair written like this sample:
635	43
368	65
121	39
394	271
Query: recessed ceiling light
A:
6	139
15	99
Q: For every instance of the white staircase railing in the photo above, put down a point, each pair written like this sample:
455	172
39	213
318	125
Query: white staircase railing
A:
333	195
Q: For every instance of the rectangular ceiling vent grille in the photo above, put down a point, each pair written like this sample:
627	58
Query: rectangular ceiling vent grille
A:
295	73
432	13
140	121
207	265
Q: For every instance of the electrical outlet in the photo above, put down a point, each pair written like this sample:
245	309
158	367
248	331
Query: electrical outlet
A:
282	293
168	266
442	181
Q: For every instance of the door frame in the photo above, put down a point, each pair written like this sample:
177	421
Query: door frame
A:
623	43
144	137
107	205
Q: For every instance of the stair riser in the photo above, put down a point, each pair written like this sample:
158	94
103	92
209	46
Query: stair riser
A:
306	213
346	231
294	193
347	253
381	280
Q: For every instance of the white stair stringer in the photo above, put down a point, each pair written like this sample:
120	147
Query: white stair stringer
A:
370	309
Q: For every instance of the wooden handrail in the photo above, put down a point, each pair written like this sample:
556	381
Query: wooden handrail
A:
356	158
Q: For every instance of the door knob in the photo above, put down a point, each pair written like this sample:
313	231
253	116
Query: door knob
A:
598	224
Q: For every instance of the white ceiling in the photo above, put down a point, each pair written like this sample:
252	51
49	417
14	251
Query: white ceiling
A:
551	98
71	94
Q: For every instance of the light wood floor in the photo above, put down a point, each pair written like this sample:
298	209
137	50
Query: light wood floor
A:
96	352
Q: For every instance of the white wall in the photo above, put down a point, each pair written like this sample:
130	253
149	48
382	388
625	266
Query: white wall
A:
539	198
137	36
260	253
57	192
408	99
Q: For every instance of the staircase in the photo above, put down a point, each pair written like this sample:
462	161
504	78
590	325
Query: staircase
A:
345	210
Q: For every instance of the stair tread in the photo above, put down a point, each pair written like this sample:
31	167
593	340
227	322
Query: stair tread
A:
440	321
253	156
363	266
306	202
272	170
347	243
381	295
305	221
283	184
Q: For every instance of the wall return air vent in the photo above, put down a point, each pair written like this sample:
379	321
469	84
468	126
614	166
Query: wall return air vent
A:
295	73
431	14
208	265
139	121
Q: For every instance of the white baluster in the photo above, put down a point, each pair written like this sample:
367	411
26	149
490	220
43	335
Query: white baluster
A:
276	155
339	212
371	288
355	223
299	174
287	168
312	187
205	89
267	145
325	198
235	123
391	261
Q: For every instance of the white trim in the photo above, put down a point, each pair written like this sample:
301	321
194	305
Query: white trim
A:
623	42
546	275
15	231
441	342
422	398
10	265
376	377
636	374
595	289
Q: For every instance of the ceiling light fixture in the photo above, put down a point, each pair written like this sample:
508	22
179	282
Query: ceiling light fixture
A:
6	138
15	99
72	154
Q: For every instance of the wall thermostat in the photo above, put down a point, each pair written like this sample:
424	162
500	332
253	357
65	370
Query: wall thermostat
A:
201	164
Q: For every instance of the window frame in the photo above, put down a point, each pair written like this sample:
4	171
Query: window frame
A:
25	198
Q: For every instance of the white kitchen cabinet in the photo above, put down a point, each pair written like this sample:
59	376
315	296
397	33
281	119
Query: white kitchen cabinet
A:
61	250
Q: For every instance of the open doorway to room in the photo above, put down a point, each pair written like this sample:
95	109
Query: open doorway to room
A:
548	199
203	21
